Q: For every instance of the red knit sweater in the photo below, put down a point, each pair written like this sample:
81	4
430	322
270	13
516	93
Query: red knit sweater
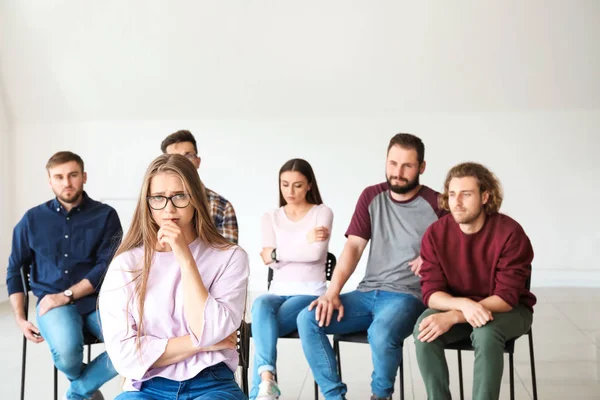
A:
494	261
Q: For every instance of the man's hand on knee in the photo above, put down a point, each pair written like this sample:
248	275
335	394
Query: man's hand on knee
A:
325	306
435	325
51	301
475	313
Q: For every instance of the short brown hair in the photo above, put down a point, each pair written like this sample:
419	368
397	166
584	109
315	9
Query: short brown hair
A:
63	157
488	182
178	137
409	141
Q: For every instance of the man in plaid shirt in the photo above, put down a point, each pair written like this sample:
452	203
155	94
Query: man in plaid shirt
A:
183	143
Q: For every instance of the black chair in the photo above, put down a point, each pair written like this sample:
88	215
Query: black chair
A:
243	354
361	337
88	338
329	267
465	345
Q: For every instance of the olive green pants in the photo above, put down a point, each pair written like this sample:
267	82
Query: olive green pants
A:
488	342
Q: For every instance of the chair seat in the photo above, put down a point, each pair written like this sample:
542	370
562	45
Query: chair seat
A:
466	345
89	339
293	335
354	337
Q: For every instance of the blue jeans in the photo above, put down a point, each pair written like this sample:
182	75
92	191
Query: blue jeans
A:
387	317
272	316
62	328
213	383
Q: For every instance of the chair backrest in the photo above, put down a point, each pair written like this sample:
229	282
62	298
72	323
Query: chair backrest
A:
329	267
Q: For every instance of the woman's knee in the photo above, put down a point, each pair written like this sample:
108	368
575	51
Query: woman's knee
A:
263	304
306	320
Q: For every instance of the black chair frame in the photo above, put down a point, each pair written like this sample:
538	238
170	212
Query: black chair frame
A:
88	338
465	345
245	339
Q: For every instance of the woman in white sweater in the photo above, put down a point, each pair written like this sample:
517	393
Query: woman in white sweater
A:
295	240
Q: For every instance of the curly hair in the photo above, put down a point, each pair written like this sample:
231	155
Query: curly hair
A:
488	182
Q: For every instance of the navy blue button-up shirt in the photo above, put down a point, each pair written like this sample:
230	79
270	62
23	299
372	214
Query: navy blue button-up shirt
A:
64	248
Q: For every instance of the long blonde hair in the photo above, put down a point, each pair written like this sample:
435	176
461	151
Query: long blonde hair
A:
143	230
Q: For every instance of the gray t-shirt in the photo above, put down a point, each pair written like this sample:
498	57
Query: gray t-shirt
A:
395	229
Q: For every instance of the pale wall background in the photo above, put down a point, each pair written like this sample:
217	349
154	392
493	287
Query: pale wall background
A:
511	84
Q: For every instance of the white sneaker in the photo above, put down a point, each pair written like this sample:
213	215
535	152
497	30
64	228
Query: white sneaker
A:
268	390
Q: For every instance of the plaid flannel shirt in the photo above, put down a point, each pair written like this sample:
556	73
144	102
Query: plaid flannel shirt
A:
223	216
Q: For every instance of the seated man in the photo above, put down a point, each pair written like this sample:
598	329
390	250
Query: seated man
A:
68	243
476	263
393	215
222	212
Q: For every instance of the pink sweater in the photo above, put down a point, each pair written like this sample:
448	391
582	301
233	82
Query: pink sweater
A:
301	265
223	272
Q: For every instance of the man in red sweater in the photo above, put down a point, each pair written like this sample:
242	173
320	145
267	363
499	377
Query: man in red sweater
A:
476	264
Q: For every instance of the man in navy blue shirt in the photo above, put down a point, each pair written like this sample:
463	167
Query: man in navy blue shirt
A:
68	243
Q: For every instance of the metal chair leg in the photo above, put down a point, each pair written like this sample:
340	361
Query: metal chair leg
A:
532	362
460	376
23	362
511	366
55	384
245	387
336	350
89	353
316	391
401	371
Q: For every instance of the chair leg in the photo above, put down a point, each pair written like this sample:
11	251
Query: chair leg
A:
401	372
316	391
336	349
23	362
460	376
511	366
55	384
532	362
89	354
245	388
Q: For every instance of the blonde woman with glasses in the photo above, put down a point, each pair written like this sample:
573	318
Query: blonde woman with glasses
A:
174	295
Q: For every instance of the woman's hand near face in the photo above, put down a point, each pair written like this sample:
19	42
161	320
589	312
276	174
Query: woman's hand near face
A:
170	234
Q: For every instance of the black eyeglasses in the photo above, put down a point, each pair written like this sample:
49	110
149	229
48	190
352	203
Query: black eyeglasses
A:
180	200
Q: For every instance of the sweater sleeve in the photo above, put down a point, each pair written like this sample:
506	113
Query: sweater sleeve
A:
307	252
360	224
132	357
514	268
433	278
224	307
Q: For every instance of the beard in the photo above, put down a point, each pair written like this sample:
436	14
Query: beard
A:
466	217
404	188
70	198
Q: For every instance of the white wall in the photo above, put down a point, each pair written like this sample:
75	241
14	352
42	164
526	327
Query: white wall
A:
509	83
548	174
6	215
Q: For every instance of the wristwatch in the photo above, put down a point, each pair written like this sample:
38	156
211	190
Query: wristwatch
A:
274	255
69	294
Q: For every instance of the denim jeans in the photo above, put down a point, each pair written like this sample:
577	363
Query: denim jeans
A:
272	316
387	317
213	383
62	328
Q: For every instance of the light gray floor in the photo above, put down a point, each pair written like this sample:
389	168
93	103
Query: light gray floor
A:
566	337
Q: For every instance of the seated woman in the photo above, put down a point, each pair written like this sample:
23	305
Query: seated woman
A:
174	295
295	240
